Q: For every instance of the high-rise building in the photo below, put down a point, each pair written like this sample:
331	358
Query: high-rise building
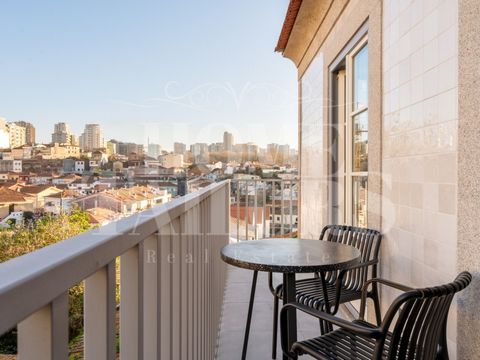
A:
154	150
199	152
216	147
63	135
227	141
92	138
247	152
128	149
272	153
29	132
283	154
179	148
17	135
112	147
74	140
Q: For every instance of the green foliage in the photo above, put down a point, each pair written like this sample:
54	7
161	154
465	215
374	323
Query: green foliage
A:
22	239
8	343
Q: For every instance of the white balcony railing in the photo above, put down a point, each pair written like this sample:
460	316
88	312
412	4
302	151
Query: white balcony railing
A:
171	284
263	208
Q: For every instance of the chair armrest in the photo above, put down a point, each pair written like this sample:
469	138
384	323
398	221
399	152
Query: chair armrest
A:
339	281
374	281
342	273
373	333
386	282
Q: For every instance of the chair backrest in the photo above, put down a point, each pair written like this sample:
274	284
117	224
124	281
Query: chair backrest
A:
418	321
366	240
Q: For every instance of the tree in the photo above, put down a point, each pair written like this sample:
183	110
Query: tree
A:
22	239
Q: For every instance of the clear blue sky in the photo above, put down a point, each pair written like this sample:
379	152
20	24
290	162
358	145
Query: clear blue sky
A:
181	70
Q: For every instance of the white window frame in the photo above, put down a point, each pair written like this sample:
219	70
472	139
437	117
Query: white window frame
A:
351	112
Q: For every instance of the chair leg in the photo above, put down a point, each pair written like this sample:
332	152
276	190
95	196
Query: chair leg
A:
376	304
442	353
249	316
275	326
323	324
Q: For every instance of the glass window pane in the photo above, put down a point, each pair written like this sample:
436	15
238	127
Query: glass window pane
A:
360	79
360	142
359	201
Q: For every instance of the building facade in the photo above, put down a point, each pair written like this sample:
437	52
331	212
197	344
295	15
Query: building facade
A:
30	132
92	138
62	134
154	150
388	135
228	141
179	148
171	161
17	135
4	136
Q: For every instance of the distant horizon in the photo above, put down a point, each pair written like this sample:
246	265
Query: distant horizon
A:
169	71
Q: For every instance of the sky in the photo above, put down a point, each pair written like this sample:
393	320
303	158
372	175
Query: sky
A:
149	70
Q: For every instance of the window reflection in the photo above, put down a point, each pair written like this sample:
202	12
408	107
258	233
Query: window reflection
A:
360	142
360	79
360	196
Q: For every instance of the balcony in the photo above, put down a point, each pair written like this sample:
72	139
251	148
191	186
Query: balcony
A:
172	284
177	299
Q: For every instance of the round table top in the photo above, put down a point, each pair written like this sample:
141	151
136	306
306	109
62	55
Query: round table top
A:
290	255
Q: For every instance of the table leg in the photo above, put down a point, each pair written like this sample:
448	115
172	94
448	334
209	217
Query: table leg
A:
249	316
289	296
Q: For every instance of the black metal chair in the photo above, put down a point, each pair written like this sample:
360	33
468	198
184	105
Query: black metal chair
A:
342	286
414	327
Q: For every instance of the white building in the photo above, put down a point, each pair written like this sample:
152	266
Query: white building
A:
4	136
154	150
17	135
17	166
79	166
92	137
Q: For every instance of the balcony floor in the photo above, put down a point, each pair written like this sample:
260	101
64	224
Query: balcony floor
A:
235	309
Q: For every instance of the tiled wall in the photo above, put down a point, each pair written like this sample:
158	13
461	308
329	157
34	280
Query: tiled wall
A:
311	132
419	165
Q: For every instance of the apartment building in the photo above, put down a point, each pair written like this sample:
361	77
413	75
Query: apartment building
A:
179	148
228	141
17	135
62	134
30	132
92	138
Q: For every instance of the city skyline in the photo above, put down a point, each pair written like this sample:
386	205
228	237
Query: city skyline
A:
138	82
94	137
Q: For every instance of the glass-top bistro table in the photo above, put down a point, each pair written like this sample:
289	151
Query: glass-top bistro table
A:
288	256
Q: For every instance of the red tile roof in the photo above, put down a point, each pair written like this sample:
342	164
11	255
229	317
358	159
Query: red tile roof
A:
288	23
242	213
10	196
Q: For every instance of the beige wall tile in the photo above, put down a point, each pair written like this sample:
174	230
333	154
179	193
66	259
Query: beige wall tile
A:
420	146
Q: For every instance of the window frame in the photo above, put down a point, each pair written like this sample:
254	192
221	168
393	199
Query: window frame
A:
340	209
351	112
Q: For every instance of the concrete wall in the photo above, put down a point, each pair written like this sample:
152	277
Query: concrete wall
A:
312	200
468	197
